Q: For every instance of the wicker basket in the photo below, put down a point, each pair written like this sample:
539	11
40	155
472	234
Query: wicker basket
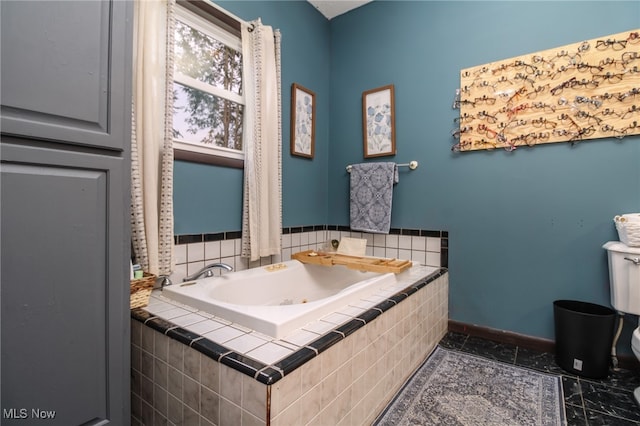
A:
628	231
141	290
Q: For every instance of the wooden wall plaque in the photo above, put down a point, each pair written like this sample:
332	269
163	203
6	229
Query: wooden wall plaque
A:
580	91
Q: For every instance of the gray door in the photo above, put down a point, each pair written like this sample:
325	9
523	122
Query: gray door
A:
64	235
62	325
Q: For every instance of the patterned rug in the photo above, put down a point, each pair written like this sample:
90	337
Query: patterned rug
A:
454	388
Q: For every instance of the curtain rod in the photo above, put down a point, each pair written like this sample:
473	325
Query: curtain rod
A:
216	11
219	13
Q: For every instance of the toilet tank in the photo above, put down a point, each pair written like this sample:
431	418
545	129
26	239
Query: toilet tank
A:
624	276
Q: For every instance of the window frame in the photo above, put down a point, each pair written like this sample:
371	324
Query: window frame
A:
219	25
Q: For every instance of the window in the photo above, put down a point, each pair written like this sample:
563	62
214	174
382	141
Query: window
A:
207	88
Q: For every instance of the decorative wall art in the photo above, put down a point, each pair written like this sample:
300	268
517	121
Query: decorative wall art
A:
378	125
303	121
580	91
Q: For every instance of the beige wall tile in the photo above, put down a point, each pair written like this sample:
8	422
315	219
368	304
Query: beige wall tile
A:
249	419
287	390
190	416
329	388
210	374
210	405
310	404
176	354
342	404
345	351
345	376
136	357
254	397
160	373
291	416
359	339
161	347
230	413
174	382
330	360
359	388
191	393
231	384
174	413
192	363
358	415
136	332
147	339
160	400
310	375
346	420
147	365
359	363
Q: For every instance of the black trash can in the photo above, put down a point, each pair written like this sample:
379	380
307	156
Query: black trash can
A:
584	334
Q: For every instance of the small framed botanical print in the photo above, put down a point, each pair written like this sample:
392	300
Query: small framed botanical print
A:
378	123
303	121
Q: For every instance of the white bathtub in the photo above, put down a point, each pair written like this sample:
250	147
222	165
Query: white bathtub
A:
279	299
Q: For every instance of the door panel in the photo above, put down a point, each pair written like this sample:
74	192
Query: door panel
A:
61	73
62	320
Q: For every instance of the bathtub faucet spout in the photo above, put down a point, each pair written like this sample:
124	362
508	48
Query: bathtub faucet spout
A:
163	281
207	271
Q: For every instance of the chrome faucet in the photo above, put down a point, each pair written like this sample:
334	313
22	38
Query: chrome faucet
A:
207	271
163	280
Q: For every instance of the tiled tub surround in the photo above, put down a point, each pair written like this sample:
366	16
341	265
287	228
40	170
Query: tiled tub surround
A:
192	252
191	368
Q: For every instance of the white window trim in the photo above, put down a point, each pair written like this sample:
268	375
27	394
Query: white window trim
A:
204	26
211	150
230	40
185	80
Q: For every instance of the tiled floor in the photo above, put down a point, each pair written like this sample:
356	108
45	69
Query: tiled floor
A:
587	402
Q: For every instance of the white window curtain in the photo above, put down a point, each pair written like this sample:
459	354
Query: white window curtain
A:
151	144
262	141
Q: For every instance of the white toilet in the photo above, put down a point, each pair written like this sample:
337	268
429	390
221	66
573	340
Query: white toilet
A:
624	279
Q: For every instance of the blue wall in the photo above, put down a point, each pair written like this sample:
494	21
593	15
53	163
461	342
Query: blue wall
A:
215	203
525	228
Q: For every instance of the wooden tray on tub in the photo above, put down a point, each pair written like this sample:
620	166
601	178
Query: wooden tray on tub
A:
361	263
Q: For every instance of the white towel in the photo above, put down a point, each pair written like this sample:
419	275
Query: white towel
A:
371	196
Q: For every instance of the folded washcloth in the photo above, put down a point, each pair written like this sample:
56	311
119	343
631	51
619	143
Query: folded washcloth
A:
371	194
352	246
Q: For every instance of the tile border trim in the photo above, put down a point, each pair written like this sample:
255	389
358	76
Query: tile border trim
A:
230	235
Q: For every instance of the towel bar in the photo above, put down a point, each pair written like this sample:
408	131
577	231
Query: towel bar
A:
412	165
